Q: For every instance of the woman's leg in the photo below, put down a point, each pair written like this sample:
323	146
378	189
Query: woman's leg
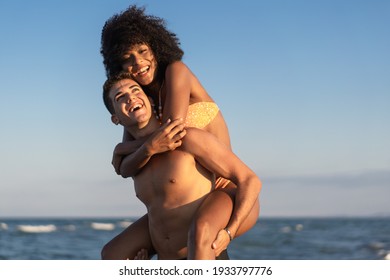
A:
129	242
212	216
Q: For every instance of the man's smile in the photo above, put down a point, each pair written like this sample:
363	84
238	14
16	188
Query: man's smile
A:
135	107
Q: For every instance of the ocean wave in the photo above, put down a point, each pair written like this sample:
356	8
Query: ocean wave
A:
266	240
382	252
376	245
287	229
124	224
36	228
3	226
69	228
102	226
298	227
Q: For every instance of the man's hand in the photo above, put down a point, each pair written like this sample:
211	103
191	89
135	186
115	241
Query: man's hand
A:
167	138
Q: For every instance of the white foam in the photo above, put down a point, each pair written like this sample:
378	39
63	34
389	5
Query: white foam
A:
124	224
377	245
102	226
285	229
37	228
387	257
298	227
3	226
70	227
382	252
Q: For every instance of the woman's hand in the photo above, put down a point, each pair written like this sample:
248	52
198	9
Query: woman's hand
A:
167	138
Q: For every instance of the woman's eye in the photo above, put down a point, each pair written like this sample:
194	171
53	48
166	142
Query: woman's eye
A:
126	60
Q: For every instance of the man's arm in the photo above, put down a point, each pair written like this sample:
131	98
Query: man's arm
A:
216	157
124	149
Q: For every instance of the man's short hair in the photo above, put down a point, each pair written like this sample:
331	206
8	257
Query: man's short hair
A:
108	84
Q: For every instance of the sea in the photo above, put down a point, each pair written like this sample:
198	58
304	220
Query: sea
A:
269	239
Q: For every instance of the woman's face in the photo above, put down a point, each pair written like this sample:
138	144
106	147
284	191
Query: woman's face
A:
140	62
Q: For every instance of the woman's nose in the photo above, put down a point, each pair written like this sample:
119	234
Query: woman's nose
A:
132	62
137	59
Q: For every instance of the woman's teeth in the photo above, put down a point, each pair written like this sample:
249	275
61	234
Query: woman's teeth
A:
143	70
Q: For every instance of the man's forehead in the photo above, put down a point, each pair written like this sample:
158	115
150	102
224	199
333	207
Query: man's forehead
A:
124	84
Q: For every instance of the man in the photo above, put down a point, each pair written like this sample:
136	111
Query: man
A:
174	184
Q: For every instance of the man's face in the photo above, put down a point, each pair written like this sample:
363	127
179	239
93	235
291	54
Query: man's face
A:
140	62
131	105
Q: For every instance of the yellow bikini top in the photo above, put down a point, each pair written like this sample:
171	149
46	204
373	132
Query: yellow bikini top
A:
200	114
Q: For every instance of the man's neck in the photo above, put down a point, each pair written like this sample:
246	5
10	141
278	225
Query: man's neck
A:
141	131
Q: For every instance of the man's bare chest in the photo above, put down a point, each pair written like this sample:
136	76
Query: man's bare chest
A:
167	175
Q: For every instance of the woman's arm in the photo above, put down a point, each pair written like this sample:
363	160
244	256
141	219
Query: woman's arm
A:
178	90
166	138
130	155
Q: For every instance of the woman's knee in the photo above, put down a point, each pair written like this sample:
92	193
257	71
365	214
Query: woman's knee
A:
200	232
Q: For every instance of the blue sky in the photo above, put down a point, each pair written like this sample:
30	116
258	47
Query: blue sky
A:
304	87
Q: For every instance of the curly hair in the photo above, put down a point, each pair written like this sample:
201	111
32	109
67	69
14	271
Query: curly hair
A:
133	26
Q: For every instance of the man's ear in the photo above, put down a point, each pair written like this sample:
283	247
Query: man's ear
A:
115	120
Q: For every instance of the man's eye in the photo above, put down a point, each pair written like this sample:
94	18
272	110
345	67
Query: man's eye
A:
118	97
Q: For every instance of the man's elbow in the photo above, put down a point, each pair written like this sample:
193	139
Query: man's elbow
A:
260	184
125	173
256	183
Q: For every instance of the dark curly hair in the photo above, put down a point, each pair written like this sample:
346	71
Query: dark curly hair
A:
131	27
